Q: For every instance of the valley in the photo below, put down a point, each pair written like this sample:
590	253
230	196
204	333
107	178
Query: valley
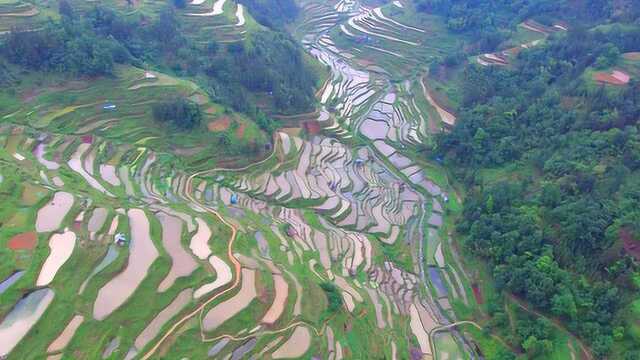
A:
330	234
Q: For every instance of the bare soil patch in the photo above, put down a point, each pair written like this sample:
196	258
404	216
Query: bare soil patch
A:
617	77
24	241
535	26
29	95
635	56
291	131
220	124
240	130
198	99
312	127
631	245
477	294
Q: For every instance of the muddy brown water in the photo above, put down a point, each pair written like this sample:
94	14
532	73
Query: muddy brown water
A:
223	277
142	254
97	219
153	329
50	216
200	241
182	264
229	308
418	330
296	346
61	246
66	335
279	302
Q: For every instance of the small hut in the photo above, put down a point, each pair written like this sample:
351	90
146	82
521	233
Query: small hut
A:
120	239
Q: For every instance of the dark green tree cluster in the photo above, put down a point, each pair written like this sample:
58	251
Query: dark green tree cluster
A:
64	48
272	13
484	21
552	233
333	297
180	112
465	15
93	43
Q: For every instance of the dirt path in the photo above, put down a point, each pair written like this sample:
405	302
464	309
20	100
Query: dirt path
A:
524	306
238	271
455	324
445	115
230	255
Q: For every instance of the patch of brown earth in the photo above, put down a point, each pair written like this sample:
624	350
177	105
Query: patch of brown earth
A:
535	26
364	62
568	102
631	245
24	241
312	127
291	131
605	78
32	194
198	99
634	56
29	95
240	131
477	294
220	124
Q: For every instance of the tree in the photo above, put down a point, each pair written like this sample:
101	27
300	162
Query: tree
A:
180	4
178	111
535	347
65	9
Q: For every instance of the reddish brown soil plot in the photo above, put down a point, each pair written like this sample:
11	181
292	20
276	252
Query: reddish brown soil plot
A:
477	294
630	245
221	124
24	241
240	131
634	56
87	139
312	127
607	79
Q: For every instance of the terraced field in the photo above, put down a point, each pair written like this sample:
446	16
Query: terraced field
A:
24	16
123	241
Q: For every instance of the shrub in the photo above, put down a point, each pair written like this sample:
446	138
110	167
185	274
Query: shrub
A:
179	111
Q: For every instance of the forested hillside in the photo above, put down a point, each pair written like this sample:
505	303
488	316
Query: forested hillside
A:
320	179
90	43
272	13
551	160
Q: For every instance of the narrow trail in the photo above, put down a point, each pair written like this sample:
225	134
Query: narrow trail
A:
234	260
446	116
456	324
237	268
272	332
524	306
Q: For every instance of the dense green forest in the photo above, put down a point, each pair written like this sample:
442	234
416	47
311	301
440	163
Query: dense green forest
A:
487	21
552	165
485	15
180	112
272	13
91	44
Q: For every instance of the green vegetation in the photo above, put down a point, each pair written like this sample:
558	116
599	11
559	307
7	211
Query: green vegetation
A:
555	236
179	111
272	13
515	218
91	43
333	297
